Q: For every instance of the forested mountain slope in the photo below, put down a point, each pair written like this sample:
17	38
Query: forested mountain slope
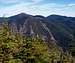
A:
30	39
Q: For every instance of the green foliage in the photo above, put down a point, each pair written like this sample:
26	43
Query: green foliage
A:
33	50
15	48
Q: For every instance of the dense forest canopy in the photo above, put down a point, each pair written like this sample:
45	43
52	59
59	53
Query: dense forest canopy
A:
16	48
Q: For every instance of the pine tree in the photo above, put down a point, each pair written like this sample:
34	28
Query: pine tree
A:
8	44
15	48
34	51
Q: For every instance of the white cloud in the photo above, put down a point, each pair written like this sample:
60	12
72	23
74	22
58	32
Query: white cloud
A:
33	9
70	5
19	1
12	10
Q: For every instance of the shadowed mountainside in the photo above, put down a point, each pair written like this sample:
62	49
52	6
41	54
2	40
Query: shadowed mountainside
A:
54	28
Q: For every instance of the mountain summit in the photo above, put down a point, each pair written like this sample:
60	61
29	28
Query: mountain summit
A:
53	29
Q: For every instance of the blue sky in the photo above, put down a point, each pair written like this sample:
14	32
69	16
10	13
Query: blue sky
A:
37	7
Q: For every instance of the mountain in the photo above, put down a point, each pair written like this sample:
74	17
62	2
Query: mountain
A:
63	30
54	29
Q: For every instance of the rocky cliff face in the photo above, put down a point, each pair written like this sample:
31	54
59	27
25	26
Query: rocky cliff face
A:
54	29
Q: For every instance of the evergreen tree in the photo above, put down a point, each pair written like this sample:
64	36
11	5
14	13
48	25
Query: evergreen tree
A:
15	48
34	51
8	44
